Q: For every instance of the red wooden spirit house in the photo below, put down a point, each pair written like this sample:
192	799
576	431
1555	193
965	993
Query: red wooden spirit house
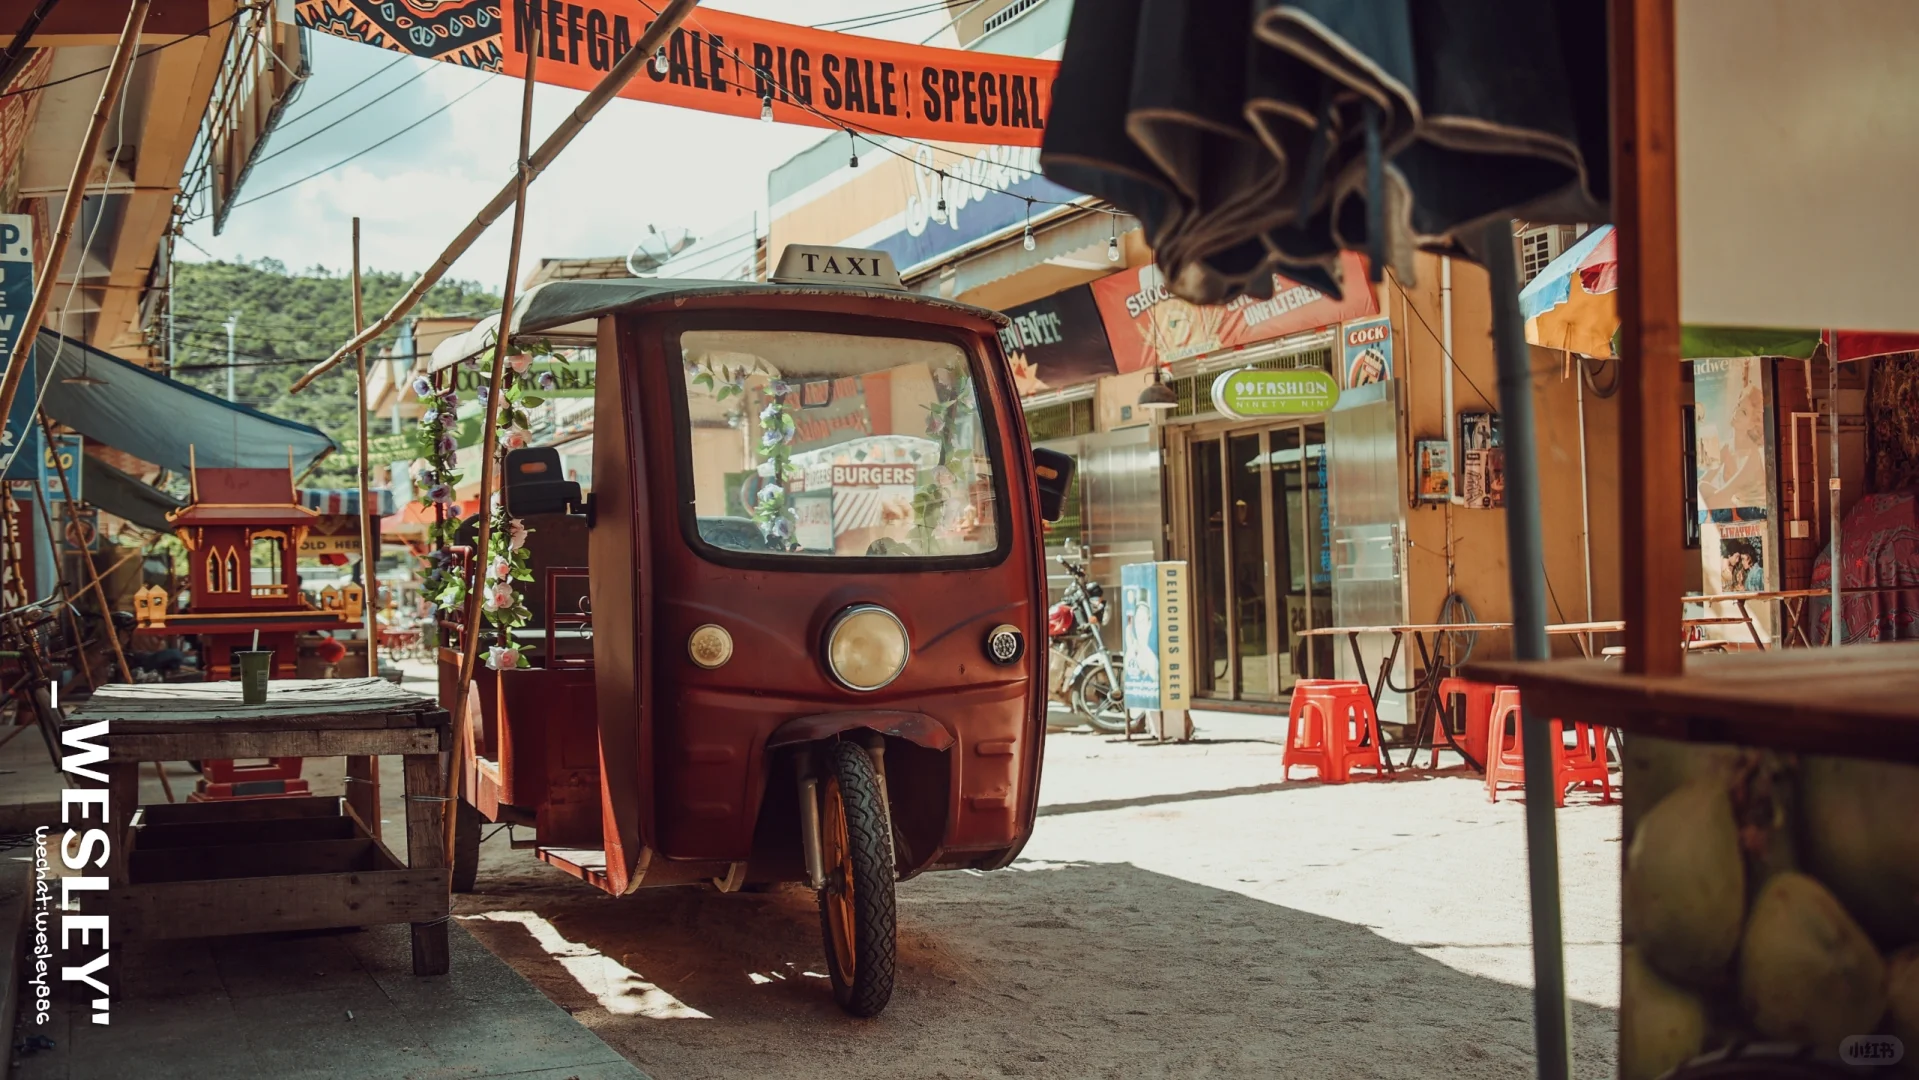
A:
242	532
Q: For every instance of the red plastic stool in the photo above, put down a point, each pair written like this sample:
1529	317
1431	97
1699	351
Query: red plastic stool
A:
1479	707
1583	763
1333	728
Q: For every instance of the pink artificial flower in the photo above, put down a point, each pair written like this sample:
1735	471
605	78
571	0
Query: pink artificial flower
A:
500	597
515	534
520	362
501	570
502	657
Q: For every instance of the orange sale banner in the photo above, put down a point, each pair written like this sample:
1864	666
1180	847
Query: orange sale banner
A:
720	62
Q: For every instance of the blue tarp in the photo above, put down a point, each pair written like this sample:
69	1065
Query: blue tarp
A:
157	419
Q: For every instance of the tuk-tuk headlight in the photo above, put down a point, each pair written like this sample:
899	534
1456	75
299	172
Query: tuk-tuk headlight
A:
866	647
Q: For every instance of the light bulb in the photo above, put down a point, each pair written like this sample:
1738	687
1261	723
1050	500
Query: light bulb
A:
853	162
766	108
1029	243
1112	250
659	60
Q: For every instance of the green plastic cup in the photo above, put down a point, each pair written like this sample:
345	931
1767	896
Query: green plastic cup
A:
256	667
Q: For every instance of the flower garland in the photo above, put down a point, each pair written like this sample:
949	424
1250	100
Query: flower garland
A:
934	511
773	507
507	562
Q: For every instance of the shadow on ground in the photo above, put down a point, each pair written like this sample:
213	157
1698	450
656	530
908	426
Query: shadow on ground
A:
1048	971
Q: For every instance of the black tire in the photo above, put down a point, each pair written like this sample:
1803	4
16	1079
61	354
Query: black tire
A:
858	919
1101	703
466	846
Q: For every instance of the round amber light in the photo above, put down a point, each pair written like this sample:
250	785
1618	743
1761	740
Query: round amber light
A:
866	647
710	646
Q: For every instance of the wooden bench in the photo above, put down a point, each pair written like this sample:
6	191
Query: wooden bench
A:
253	866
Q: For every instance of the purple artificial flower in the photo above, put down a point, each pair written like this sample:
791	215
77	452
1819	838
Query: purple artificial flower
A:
440	493
546	380
448	445
422	387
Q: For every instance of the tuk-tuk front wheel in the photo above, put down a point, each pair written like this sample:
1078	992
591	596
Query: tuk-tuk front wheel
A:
857	914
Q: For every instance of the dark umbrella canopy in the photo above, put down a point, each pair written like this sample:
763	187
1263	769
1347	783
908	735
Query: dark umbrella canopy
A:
1254	136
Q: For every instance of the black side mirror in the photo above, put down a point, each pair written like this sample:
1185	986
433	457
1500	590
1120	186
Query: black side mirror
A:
535	485
1052	474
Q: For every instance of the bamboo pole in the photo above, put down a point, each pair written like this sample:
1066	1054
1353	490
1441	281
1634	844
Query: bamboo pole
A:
123	56
470	636
609	87
369	554
363	772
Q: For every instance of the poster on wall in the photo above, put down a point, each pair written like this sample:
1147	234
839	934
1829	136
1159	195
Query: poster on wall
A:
1057	342
1482	470
1366	352
1737	545
1433	459
1148	325
21	445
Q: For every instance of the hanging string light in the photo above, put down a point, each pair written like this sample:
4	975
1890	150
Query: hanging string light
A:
1112	243
1028	242
766	108
939	210
853	150
659	61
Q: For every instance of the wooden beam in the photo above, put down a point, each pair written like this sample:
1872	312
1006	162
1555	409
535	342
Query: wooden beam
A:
1646	211
180	94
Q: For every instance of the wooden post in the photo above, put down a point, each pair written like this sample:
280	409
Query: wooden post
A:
470	637
123	57
363	773
425	850
1646	211
609	86
369	540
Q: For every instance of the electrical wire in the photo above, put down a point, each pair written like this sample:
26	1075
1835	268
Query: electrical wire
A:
880	18
263	159
360	153
318	107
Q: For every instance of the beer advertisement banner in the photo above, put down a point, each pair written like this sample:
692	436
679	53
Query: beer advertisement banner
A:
720	62
1147	324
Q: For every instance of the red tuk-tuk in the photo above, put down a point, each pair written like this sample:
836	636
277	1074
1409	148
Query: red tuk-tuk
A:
796	630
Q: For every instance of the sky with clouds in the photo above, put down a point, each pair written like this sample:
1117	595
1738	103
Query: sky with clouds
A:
636	165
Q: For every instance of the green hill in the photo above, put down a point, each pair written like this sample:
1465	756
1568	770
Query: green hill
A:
289	320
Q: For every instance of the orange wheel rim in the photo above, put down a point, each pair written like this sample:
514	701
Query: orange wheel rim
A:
838	856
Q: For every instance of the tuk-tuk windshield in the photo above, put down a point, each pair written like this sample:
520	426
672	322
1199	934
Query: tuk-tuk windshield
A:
823	444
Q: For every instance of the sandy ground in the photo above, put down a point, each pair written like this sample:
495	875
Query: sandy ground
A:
1180	911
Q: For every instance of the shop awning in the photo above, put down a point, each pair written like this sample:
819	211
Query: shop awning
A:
1570	305
164	421
126	496
346	500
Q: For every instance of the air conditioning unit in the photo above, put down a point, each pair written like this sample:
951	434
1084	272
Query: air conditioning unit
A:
1539	245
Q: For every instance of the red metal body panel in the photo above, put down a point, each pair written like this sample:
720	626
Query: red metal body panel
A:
709	730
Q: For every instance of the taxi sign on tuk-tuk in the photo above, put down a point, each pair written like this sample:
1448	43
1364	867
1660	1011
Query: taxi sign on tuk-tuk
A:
815	264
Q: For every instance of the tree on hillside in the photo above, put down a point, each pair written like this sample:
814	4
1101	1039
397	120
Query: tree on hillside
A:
289	320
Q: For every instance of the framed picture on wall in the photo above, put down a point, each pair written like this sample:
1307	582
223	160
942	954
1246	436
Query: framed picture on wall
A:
1482	472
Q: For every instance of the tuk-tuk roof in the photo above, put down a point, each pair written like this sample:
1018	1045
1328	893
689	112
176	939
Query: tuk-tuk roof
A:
562	310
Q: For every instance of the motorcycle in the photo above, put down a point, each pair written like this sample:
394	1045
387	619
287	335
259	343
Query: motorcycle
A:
1094	686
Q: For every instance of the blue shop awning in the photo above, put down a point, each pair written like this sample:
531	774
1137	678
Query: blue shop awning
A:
157	419
126	496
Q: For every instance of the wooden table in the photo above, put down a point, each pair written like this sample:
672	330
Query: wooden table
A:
1859	701
1424	635
248	866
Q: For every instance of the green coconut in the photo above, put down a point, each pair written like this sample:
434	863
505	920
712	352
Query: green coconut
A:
1807	972
1859	828
1685	886
1655	768
1661	1026
1902	1003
